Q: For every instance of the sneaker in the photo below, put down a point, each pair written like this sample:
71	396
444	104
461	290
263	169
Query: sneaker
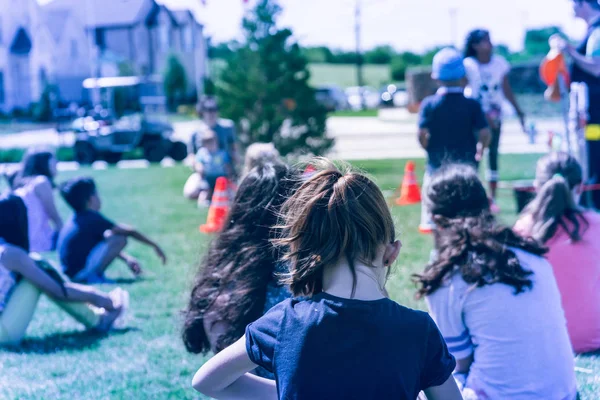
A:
121	297
114	318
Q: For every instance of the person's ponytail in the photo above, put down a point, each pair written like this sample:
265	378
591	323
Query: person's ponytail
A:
334	214
553	206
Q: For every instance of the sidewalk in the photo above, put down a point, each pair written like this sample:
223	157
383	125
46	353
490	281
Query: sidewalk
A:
390	136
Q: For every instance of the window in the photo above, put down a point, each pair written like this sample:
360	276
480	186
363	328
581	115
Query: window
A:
164	37
74	49
1	87
188	38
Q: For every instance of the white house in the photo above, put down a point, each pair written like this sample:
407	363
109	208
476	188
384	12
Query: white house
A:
65	41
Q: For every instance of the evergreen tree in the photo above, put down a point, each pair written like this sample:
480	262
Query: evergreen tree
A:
264	88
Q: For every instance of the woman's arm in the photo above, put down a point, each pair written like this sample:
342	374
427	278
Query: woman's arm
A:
225	376
45	193
510	96
17	260
463	366
447	391
591	65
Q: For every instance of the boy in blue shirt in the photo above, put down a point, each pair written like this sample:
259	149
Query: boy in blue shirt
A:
452	127
88	242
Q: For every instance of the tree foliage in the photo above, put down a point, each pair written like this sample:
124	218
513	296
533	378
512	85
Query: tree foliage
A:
264	88
174	81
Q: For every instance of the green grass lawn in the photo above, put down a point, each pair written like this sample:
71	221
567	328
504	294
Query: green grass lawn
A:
60	361
345	75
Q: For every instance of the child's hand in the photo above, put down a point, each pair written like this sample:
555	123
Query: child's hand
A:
160	254
134	265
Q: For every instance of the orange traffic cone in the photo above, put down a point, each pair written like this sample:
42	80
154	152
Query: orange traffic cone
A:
410	192
219	208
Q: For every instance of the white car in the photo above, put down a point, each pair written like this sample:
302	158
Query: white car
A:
370	96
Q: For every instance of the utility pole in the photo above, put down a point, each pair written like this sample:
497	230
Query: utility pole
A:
359	60
453	11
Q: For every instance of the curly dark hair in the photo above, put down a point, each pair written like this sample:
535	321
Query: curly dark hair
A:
473	38
241	261
468	238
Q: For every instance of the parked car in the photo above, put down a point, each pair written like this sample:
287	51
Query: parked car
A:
393	96
370	97
332	98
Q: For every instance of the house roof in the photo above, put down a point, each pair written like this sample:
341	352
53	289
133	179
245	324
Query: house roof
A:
107	13
56	20
182	16
94	13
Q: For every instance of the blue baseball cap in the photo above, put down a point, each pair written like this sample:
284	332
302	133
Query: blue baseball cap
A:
448	65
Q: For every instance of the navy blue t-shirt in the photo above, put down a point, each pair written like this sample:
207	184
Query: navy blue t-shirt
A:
332	348
80	234
453	122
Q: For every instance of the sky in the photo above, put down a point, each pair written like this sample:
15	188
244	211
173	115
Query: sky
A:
405	24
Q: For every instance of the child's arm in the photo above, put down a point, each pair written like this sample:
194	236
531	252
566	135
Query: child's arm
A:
447	391
484	139
225	376
132	233
424	137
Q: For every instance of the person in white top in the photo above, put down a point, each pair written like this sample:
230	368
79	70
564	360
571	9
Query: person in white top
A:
487	74
494	298
34	183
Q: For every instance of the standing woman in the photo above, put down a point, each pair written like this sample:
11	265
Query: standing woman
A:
586	69
488	82
34	183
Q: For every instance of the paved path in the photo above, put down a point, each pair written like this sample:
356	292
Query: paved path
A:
392	135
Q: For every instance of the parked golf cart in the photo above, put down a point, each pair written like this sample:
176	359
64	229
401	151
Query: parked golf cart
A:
100	136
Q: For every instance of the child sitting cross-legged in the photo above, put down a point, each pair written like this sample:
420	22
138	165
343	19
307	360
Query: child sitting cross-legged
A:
340	337
494	298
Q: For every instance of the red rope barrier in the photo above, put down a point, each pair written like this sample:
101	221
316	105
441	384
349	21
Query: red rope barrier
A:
531	189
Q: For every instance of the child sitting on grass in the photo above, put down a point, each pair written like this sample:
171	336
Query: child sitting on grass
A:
210	164
494	298
340	337
24	277
452	128
89	243
571	233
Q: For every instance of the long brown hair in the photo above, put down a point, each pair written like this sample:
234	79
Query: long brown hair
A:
335	213
468	239
241	261
556	176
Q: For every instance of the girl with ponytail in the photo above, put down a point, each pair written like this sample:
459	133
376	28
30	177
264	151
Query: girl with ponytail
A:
493	297
340	337
571	235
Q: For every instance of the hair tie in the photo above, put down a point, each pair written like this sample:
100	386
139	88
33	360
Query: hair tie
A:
558	175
